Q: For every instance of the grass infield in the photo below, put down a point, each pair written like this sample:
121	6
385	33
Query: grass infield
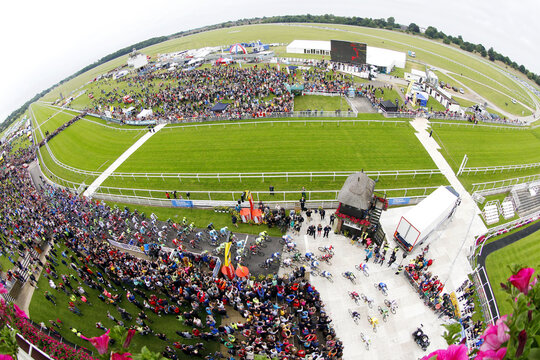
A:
525	252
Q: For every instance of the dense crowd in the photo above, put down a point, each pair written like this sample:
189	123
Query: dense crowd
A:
283	317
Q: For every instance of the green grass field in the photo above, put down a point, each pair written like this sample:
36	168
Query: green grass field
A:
502	100
319	102
43	310
524	252
87	146
464	102
488	146
267	147
431	52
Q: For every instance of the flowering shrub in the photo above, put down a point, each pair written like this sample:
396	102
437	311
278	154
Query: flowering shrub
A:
515	336
16	318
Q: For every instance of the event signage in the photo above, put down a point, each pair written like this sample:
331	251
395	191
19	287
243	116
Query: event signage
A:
182	203
348	52
399	201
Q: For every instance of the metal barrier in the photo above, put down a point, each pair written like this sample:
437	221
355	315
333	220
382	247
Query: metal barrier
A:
490	311
499	186
500	168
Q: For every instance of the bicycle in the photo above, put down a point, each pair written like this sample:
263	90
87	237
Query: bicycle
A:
355	316
267	263
365	340
382	288
367	300
391	304
327	249
326	258
355	297
327	275
194	244
373	322
362	269
349	275
384	313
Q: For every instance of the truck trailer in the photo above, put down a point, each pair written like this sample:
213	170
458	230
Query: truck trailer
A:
416	226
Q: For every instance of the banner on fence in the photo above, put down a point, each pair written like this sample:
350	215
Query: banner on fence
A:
182	203
399	201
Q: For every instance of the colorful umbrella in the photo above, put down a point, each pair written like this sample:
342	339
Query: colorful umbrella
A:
242	271
228	271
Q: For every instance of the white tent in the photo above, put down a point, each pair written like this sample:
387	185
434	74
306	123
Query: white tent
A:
145	113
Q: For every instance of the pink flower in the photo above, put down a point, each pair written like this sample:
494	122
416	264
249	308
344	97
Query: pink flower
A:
3	290
454	352
130	334
5	357
522	279
101	342
125	356
495	335
491	354
20	313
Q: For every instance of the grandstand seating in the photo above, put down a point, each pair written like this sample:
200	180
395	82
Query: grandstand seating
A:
524	199
507	208
491	213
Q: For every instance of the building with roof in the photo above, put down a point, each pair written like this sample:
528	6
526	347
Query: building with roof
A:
385	60
359	210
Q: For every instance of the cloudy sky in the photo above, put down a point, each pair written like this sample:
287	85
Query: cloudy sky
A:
46	41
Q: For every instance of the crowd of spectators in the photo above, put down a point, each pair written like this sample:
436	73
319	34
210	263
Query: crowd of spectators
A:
282	317
429	286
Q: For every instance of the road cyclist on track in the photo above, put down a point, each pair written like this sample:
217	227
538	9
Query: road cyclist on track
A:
326	274
349	275
355	315
382	287
224	231
384	313
366	340
260	242
373	322
367	300
363	268
391	304
355	296
327	249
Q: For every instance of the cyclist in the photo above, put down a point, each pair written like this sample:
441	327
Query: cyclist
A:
373	321
287	238
326	274
268	262
259	241
355	315
198	236
184	221
363	267
253	248
291	245
355	295
314	264
275	256
213	233
309	256
349	274
263	234
287	262
224	230
383	286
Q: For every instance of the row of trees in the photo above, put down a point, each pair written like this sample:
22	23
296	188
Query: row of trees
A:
389	23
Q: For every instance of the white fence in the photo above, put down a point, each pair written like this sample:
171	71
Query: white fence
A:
274	196
499	186
487	300
498	168
502	126
282	175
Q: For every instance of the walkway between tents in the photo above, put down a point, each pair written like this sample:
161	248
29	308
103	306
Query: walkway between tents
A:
458	237
116	164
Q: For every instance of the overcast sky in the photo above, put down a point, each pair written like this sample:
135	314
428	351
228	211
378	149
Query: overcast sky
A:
46	41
